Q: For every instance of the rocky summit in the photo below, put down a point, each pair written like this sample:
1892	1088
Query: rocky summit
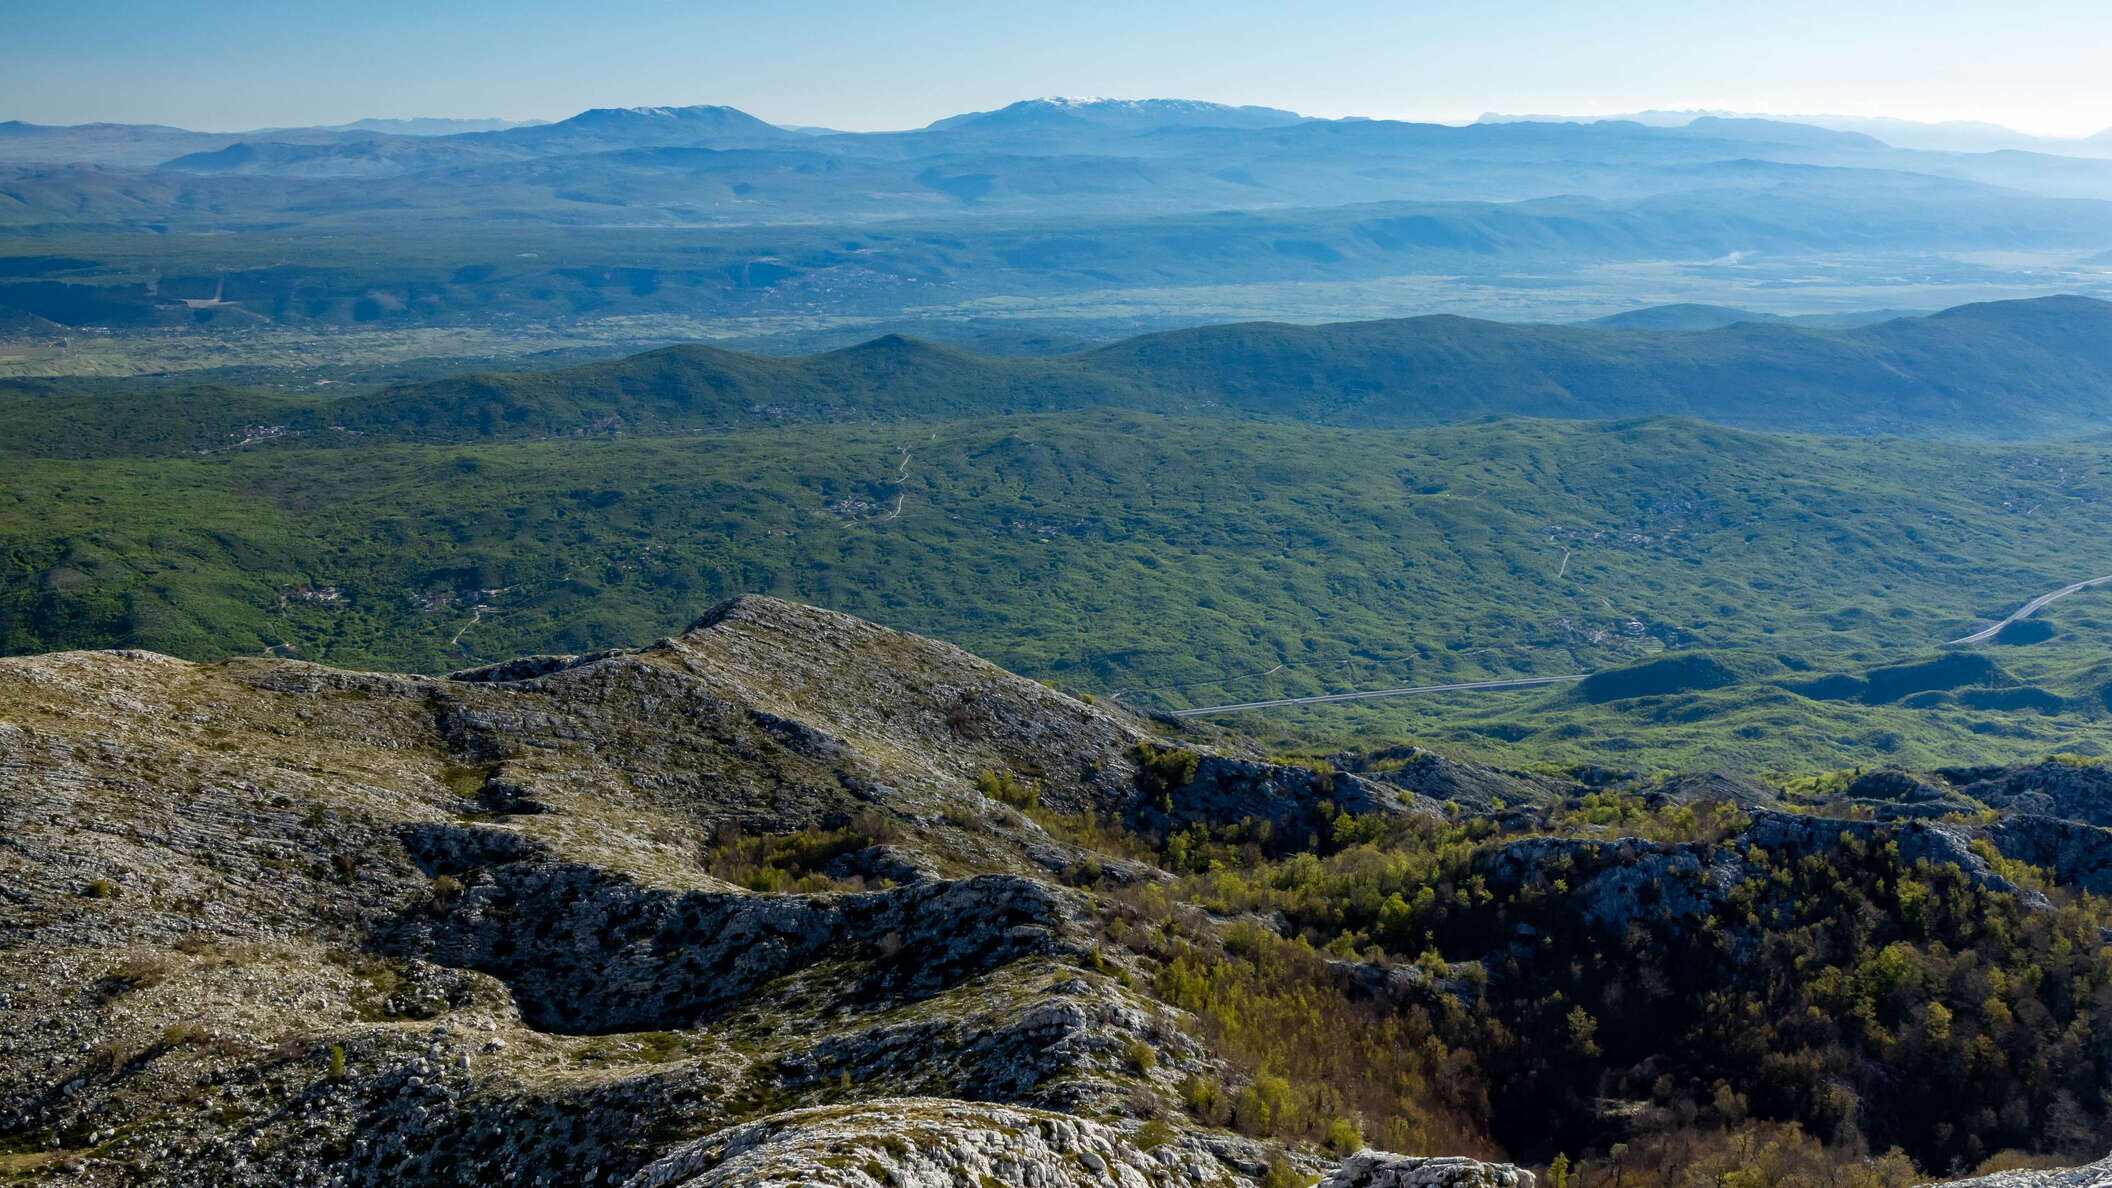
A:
272	923
791	898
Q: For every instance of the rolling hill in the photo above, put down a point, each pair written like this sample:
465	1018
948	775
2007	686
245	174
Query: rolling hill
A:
1700	316
1991	371
1999	370
1175	561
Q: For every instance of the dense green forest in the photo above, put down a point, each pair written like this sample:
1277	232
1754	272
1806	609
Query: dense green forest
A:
1698	1002
1850	991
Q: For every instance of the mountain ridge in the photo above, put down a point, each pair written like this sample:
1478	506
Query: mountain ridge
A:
1138	114
792	896
1992	369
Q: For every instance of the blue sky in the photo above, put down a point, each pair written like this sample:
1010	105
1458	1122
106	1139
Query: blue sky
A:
224	64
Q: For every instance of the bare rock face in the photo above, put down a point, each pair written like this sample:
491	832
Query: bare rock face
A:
1224	789
2049	789
2074	853
1618	882
585	953
1433	779
1917	840
269	923
1715	785
933	1143
1893	785
1380	1169
1621	881
2095	1175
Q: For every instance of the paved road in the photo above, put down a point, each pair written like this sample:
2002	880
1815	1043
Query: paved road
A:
2031	608
1517	683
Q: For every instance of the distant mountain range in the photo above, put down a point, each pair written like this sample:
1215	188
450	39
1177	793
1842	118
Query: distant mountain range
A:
1138	115
638	127
1957	136
676	165
1204	155
718	211
416	126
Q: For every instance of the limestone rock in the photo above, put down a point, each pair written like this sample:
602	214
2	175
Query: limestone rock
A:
1694	787
1436	778
2049	789
1227	789
933	1143
2075	854
1380	1169
2095	1175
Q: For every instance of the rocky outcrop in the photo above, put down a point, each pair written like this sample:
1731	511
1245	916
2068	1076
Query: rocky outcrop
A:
2074	854
2078	792
1891	785
1411	984
266	922
1434	777
1614	883
1379	1169
1696	787
1917	841
2095	1175
1063	1044
1224	790
936	1143
882	864
587	953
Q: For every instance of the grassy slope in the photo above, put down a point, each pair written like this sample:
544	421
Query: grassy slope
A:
1162	558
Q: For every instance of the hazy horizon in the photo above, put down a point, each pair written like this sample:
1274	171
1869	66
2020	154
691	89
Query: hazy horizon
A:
224	65
1696	111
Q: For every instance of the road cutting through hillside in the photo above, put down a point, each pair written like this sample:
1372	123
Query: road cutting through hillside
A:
2029	609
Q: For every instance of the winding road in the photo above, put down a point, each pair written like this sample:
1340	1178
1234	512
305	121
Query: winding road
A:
1516	683
1986	633
2029	609
901	494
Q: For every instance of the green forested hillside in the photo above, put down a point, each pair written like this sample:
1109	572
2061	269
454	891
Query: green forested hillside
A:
1164	560
1990	370
1996	370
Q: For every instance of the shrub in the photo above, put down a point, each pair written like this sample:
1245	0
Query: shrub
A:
1140	1054
141	972
1282	1175
1154	1133
1161	771
445	890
